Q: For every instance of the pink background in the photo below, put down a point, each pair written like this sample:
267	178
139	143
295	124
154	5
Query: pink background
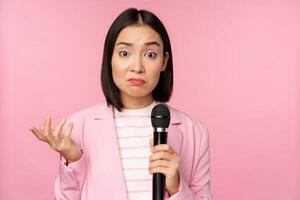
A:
237	68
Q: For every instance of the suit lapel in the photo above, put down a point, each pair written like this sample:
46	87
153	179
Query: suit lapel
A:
174	133
109	152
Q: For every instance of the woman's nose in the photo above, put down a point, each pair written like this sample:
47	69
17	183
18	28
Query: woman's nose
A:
137	66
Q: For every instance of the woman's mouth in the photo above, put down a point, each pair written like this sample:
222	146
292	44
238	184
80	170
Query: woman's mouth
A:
136	81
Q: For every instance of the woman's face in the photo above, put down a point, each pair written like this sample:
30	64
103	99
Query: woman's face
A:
137	61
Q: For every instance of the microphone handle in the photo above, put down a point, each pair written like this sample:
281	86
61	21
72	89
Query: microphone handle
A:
159	179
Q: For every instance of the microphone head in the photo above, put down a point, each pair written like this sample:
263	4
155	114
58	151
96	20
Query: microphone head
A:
160	116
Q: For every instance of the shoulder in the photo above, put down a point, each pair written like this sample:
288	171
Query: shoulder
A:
186	119
194	131
91	110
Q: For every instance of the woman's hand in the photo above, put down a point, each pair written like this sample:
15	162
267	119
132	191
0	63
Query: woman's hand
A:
58	141
165	160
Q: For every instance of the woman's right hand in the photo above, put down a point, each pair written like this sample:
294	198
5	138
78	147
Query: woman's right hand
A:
59	141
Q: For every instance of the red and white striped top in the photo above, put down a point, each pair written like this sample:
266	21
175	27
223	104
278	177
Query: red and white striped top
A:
134	131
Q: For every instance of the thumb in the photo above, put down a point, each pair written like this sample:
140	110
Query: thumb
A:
151	144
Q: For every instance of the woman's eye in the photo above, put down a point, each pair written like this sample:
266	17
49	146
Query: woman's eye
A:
123	53
151	54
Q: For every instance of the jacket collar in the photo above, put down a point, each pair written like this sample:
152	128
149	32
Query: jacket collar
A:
106	111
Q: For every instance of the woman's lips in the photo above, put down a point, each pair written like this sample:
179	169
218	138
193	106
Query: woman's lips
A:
136	81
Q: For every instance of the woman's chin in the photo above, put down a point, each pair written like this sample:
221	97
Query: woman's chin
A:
138	94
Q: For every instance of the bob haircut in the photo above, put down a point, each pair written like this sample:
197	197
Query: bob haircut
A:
163	90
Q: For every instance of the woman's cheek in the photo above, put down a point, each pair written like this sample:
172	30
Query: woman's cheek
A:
154	81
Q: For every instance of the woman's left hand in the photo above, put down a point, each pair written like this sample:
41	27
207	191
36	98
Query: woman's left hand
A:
165	160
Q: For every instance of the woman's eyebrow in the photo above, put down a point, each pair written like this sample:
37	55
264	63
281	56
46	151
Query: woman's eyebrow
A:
152	43
146	44
124	43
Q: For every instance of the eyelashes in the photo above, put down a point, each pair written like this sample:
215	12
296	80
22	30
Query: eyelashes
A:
152	53
123	53
149	54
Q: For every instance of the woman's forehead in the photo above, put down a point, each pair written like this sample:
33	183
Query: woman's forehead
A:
136	35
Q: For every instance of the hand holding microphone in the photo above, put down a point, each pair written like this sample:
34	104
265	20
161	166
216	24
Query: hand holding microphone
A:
164	162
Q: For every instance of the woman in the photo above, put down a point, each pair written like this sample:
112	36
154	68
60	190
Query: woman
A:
110	153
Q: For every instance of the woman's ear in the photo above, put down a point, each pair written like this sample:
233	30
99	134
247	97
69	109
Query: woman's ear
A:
165	61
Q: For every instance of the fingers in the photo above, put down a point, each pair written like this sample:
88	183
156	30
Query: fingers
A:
47	125
164	160
160	147
163	170
69	130
59	139
46	131
151	144
159	163
162	155
58	129
163	147
42	129
38	134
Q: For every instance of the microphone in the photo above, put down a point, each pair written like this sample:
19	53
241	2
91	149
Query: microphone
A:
160	119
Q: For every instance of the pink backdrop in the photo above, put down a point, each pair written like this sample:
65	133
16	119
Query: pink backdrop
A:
237	68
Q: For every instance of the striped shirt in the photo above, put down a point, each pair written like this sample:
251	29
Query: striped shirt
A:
134	131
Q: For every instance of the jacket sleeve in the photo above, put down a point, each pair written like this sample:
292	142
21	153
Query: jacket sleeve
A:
199	186
71	177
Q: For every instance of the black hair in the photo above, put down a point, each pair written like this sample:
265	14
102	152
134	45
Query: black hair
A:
163	90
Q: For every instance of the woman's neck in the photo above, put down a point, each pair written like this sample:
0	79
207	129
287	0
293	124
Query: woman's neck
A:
136	102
